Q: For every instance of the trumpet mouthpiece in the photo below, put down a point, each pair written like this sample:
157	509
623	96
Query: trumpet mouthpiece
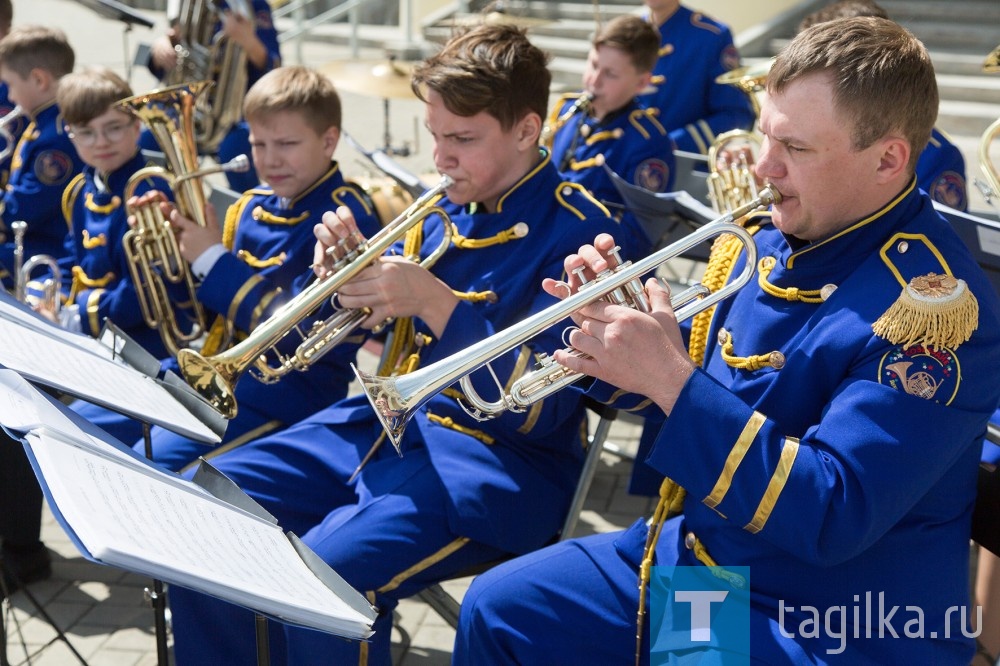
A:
239	164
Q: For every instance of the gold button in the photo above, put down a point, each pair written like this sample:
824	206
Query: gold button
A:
827	291
777	360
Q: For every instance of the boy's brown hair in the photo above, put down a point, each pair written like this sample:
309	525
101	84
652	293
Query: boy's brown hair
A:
33	46
295	88
633	36
89	93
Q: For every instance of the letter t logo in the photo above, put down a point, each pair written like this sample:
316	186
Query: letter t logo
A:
701	607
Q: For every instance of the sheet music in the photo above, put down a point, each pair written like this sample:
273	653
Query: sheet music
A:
131	515
72	363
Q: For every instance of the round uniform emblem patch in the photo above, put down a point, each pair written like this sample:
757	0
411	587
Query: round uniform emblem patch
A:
949	189
52	167
730	57
653	174
932	374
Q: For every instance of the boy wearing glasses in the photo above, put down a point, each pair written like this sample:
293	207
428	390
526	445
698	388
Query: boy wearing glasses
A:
96	281
33	59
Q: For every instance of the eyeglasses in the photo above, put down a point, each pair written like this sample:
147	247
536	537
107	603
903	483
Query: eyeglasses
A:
87	136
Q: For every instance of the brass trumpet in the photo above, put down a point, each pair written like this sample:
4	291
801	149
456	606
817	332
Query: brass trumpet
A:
23	269
214	377
6	134
154	256
396	399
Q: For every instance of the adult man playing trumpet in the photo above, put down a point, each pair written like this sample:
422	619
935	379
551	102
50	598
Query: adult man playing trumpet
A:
826	423
462	490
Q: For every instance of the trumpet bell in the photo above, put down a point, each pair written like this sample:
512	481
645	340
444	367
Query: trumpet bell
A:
212	382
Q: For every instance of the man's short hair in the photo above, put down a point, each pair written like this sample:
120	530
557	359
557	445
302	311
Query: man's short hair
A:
634	36
33	46
89	93
295	88
491	68
883	78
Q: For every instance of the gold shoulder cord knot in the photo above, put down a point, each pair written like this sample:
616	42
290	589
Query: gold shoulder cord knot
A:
448	422
262	215
81	282
725	250
104	209
933	311
91	242
516	232
772	359
253	261
791	294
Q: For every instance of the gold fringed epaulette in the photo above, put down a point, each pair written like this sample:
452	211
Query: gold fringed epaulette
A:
933	311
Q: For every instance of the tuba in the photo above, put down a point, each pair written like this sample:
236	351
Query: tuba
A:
990	187
206	55
396	399
155	258
6	134
50	297
214	377
731	180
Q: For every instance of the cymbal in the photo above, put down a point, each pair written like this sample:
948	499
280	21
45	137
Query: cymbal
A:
388	78
749	78
992	62
500	18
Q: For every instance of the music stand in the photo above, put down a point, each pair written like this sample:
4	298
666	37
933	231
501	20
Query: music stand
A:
116	11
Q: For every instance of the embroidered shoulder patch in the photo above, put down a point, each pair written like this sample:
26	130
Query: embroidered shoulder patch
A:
730	58
932	374
949	189
53	167
653	174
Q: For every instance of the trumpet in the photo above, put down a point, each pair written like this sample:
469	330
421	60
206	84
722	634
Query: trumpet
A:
154	255
214	377
396	399
50	297
6	134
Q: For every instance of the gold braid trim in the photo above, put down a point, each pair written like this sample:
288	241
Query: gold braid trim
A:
476	296
791	294
69	196
423	564
933	311
448	422
721	260
81	282
516	232
750	363
89	242
105	209
604	136
262	215
254	262
587	164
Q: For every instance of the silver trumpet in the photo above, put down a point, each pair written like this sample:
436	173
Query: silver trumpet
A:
397	399
6	134
23	269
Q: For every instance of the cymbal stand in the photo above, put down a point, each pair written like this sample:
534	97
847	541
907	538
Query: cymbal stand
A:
157	597
403	150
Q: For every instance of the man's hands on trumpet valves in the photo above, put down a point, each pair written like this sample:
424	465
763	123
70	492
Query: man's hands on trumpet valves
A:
391	287
192	238
639	352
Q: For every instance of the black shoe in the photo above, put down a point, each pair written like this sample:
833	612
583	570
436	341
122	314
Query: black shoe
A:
24	568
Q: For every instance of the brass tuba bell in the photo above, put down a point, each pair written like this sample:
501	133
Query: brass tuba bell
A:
155	259
990	187
731	179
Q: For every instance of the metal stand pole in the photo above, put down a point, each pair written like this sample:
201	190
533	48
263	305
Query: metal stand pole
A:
263	641
157	597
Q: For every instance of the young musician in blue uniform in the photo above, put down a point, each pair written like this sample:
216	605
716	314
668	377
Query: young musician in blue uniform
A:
32	60
695	50
606	125
17	124
261	257
460	494
97	283
825	422
258	37
941	167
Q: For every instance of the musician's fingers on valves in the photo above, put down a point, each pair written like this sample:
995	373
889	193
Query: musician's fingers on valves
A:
337	237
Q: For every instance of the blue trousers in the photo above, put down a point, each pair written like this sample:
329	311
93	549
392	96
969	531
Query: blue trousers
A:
386	533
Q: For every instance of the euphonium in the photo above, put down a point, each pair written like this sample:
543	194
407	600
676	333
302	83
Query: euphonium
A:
396	399
6	134
731	180
204	54
991	186
50	297
154	256
215	377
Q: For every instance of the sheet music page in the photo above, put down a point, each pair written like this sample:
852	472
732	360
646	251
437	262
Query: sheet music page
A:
158	524
68	366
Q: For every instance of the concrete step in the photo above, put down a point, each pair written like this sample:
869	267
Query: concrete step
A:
966	118
579	11
984	12
960	37
962	88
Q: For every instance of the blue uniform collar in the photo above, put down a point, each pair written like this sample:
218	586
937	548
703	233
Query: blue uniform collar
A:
274	202
519	195
117	179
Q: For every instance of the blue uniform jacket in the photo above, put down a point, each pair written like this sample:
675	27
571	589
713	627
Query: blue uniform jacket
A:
44	162
852	468
500	472
16	128
271	245
631	142
103	287
694	51
941	172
